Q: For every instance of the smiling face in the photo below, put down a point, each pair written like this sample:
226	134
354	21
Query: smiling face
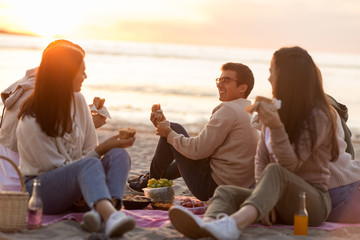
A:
228	90
79	78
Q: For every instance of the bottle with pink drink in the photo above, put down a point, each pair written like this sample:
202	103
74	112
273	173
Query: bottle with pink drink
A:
35	207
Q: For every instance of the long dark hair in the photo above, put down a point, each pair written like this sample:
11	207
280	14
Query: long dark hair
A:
300	88
50	102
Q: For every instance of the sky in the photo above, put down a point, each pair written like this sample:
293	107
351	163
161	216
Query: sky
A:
317	25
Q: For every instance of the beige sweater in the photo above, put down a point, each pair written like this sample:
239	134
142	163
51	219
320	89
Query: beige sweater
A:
228	140
312	166
12	98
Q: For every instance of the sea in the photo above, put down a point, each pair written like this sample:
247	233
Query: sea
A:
132	76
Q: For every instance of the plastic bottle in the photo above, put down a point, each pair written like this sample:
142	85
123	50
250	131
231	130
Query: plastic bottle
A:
301	218
35	207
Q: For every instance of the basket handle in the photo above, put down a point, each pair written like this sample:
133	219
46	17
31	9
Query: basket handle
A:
17	171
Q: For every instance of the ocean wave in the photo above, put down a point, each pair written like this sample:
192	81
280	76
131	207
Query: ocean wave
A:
151	89
175	51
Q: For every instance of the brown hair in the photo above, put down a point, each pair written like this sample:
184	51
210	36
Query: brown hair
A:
243	73
50	102
63	42
300	89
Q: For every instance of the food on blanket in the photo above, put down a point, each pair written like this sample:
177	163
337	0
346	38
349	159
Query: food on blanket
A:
125	133
187	202
253	107
162	182
160	194
98	102
161	206
132	202
135	198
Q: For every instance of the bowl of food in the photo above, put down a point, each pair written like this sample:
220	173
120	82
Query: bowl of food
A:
132	202
193	205
161	193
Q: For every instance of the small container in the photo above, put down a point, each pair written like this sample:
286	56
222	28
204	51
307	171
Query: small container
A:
161	195
162	198
132	205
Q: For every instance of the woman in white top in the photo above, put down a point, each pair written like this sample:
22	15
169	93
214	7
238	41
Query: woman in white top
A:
57	144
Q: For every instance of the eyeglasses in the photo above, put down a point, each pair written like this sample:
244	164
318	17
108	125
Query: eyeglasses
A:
224	80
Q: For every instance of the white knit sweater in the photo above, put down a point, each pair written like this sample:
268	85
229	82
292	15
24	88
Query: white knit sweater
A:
40	153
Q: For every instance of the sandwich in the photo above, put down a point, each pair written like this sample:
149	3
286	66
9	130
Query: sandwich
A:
125	133
98	102
253	107
156	108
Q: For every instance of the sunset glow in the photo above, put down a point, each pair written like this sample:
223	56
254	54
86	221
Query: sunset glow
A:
319	25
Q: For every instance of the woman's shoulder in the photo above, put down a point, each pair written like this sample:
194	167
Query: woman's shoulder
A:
27	124
79	97
321	115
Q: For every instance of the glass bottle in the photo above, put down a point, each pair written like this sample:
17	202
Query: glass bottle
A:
301	218
35	207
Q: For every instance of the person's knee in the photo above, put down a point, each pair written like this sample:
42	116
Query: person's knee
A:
273	167
118	156
119	153
223	191
178	128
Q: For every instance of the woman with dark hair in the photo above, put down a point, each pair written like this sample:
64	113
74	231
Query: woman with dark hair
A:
296	145
57	144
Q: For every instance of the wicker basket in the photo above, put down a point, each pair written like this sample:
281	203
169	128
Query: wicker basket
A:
13	206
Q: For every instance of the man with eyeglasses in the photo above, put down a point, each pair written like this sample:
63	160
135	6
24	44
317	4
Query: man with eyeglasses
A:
221	154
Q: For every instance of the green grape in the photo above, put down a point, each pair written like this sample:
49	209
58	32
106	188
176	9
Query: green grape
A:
152	181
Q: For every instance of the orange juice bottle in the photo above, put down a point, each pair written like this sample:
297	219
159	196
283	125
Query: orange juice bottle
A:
301	217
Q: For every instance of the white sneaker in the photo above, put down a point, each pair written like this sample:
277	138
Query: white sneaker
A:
91	221
187	223
223	228
118	223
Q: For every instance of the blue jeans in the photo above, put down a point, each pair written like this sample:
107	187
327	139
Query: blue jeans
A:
196	173
345	203
92	178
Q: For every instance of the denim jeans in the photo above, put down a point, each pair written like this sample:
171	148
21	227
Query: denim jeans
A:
345	203
92	178
197	174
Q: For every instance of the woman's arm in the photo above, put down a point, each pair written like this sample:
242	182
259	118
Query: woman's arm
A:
261	157
280	144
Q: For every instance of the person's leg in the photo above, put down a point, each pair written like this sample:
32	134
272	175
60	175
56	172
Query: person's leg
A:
196	173
279	188
62	186
116	164
227	199
162	164
345	203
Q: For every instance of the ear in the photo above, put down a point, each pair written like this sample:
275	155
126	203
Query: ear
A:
243	88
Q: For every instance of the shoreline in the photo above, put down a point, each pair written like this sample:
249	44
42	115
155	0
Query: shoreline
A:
146	132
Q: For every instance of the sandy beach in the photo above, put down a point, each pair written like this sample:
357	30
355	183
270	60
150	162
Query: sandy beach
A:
141	154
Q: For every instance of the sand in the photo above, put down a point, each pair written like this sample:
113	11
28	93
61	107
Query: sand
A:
141	153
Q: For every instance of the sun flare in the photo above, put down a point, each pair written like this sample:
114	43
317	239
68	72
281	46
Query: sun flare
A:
47	19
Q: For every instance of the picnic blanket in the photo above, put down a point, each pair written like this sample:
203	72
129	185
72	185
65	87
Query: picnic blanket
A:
149	218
